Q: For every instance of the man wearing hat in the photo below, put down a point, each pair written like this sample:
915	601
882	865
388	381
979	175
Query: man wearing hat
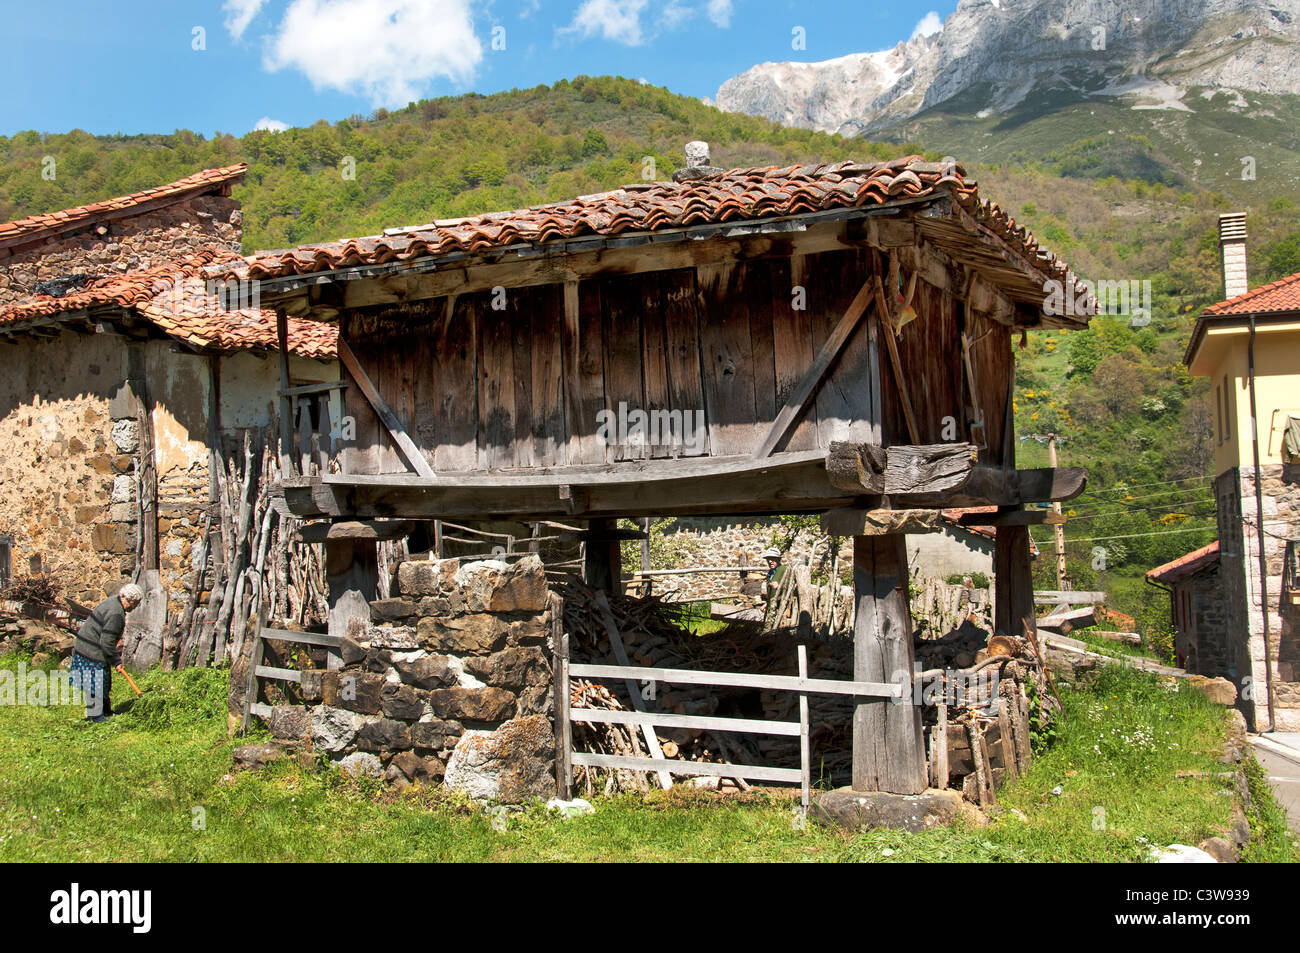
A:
98	650
775	571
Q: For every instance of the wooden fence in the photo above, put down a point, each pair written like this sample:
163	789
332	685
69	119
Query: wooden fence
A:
567	758
257	671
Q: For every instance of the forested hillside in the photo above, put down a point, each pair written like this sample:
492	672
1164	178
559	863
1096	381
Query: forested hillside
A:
1117	394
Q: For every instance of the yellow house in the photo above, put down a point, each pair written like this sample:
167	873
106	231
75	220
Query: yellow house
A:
1248	345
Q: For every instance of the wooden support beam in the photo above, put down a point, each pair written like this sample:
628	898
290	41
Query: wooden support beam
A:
603	568
286	405
1013	584
854	521
355	529
794	407
384	412
352	574
888	748
930	469
891	348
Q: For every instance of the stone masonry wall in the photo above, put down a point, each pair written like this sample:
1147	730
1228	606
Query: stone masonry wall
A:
937	554
67	486
450	680
1239	542
141	241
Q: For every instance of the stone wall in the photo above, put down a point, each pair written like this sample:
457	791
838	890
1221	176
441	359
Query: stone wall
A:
67	491
701	542
1239	544
140	241
450	680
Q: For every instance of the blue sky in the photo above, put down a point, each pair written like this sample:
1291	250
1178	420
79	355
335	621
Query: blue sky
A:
108	66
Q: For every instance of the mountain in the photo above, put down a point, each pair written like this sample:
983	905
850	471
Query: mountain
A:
1006	79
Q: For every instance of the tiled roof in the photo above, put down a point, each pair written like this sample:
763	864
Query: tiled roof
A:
736	195
1187	565
24	229
174	297
953	516
1280	295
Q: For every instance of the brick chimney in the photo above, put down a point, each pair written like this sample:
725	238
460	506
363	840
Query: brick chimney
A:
1232	251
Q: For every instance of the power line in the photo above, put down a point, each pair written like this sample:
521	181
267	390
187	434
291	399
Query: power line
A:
1142	509
1166	532
1131	486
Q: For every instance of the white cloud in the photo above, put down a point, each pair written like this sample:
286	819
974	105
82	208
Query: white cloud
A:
386	49
929	25
720	12
617	20
270	125
621	21
240	13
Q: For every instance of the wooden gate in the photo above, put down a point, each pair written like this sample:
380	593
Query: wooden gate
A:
633	675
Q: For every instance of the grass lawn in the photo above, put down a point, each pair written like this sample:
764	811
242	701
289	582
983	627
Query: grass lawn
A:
153	785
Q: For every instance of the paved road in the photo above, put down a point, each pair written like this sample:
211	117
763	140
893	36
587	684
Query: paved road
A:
1283	767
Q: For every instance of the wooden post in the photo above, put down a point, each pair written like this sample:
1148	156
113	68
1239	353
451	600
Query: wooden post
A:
1013	584
805	753
352	572
603	559
563	727
888	750
1058	531
286	405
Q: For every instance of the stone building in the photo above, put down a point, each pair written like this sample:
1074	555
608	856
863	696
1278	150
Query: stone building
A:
1249	347
121	379
1198	613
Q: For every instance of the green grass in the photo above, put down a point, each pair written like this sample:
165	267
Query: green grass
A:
129	790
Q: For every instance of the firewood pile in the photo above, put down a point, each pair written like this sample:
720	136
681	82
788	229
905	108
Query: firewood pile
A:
247	553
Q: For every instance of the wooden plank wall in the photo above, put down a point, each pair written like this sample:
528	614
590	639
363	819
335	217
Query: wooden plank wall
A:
522	384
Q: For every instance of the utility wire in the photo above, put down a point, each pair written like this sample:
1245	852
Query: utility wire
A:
1166	532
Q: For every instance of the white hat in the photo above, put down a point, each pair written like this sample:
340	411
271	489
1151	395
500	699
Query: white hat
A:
771	553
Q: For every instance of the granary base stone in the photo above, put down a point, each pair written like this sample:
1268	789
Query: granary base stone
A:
860	810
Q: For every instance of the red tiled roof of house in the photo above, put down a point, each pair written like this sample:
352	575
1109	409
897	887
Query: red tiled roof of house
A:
953	516
736	195
175	298
1184	566
24	229
1280	295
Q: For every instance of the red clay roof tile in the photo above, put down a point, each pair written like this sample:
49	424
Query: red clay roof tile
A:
25	229
1186	565
1280	295
174	297
733	195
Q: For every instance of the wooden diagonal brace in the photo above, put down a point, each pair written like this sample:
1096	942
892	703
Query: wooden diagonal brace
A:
384	412
812	377
862	468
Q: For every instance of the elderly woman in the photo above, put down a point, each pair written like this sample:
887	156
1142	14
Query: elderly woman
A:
97	650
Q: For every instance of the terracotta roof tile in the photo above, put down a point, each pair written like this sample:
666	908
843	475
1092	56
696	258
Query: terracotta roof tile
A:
1187	565
733	195
1280	295
174	297
24	229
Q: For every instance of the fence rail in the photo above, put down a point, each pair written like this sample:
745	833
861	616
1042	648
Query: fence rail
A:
254	708
568	758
